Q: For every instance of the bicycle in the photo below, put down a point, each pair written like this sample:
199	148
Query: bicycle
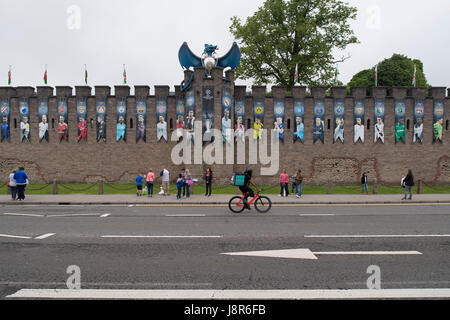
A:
262	203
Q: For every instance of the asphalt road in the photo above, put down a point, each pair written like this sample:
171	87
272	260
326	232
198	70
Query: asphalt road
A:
172	248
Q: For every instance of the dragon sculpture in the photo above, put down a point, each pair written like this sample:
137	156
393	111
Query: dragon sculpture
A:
208	60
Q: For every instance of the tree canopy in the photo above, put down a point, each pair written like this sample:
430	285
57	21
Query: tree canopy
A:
395	71
282	34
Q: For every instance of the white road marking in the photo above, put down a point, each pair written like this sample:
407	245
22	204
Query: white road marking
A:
45	236
185	215
307	254
75	215
285	254
362	253
161	237
105	215
382	236
12	236
317	215
231	294
23	214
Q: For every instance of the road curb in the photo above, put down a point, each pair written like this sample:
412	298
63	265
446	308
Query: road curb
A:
177	204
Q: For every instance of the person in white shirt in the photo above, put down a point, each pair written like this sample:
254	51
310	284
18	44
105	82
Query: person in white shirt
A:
418	130
190	122
239	130
339	131
379	130
226	126
165	178
43	129
13	185
359	130
25	129
161	129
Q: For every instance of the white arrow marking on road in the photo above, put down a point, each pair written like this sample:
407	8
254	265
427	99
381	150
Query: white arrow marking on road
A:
307	254
45	236
23	214
286	254
105	215
75	215
11	236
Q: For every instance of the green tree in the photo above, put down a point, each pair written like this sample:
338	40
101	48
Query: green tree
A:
395	71
282	34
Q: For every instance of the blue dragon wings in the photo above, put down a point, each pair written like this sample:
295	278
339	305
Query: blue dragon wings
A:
188	59
232	58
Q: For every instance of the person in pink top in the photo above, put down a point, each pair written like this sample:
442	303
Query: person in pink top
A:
284	182
150	180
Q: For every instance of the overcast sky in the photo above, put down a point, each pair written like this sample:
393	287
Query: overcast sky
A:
146	35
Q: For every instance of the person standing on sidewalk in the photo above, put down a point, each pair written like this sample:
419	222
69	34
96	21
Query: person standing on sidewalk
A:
364	183
294	186
165	178
208	180
13	185
183	176
179	186
189	183
299	183
409	184
21	181
150	180
284	183
139	180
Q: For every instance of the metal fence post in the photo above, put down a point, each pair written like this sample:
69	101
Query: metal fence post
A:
330	188
420	187
55	187
100	187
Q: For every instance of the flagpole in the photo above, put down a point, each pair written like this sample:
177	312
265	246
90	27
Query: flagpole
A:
9	75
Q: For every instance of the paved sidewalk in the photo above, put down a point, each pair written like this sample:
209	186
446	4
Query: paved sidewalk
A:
222	199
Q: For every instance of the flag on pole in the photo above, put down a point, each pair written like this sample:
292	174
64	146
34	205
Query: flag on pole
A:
124	75
85	75
414	77
376	75
296	74
9	76
45	75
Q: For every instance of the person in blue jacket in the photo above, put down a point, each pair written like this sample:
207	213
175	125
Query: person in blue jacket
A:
21	182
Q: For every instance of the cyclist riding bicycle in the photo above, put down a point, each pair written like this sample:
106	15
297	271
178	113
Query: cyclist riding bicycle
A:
245	189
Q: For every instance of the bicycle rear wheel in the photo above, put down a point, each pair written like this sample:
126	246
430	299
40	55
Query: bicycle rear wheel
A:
236	204
263	204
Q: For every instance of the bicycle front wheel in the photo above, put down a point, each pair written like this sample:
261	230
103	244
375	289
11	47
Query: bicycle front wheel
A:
263	204
236	204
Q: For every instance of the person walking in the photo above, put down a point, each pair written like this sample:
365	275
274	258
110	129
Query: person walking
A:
299	183
150	181
208	180
189	183
21	181
364	183
13	185
408	182
284	183
165	178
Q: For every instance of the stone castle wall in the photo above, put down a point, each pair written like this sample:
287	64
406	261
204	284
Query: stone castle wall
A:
119	162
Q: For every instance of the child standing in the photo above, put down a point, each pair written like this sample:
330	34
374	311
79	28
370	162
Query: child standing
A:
179	186
139	180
